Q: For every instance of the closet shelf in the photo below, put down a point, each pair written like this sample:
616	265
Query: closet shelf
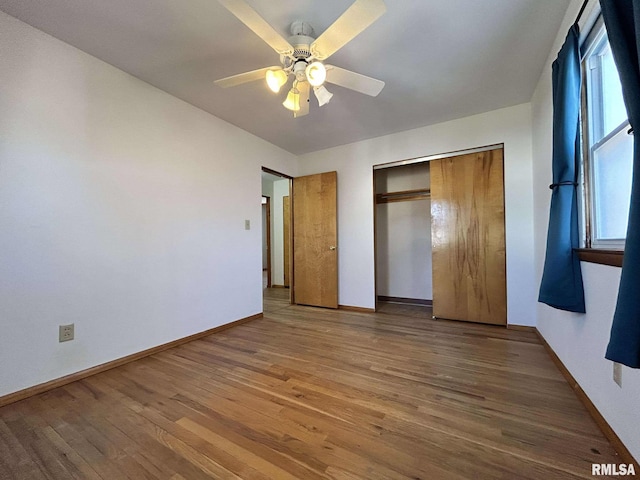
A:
403	196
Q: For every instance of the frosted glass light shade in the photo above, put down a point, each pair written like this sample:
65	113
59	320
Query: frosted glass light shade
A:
316	74
323	95
293	100
276	79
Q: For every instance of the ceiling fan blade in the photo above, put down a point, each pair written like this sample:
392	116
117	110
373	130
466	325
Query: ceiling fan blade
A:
354	81
351	23
246	77
259	25
303	88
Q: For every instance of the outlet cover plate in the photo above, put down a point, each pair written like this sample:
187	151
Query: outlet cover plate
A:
617	373
66	332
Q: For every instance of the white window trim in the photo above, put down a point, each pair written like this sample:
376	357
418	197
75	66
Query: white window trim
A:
586	182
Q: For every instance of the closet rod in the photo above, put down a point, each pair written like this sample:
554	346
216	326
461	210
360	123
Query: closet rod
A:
404	196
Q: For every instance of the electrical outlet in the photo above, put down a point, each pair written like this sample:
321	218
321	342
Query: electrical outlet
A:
617	373
247	224
65	332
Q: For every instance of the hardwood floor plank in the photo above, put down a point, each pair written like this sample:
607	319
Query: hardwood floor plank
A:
84	469
245	455
48	464
160	445
93	451
166	432
14	458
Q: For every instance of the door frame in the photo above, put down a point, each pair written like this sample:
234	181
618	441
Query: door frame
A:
268	236
291	265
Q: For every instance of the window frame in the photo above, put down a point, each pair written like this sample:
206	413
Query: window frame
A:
606	252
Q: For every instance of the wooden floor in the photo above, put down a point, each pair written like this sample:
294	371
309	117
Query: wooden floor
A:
424	312
311	393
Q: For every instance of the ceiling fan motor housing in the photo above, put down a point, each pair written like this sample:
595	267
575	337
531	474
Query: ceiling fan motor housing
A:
302	36
301	46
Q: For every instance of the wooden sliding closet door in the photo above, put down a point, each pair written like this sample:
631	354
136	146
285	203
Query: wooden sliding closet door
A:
468	238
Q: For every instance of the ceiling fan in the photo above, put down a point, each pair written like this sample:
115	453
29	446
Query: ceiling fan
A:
302	55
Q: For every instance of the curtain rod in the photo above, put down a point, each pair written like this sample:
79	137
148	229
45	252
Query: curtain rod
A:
584	5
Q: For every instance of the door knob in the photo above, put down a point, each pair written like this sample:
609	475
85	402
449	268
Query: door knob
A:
332	247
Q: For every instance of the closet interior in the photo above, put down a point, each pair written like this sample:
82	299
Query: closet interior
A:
403	235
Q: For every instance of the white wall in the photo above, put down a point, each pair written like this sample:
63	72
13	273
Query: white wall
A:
265	252
403	235
267	191
581	340
354	162
280	190
404	249
113	214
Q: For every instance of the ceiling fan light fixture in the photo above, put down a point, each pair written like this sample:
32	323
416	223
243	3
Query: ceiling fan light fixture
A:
276	79
316	74
293	100
302	54
322	94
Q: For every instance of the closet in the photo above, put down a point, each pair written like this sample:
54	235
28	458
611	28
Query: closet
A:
440	234
403	234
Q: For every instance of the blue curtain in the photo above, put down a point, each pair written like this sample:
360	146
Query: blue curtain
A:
622	20
561	285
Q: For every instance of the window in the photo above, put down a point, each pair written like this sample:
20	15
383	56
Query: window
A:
607	147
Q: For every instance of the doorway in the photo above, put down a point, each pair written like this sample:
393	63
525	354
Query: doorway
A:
266	242
301	236
403	240
276	194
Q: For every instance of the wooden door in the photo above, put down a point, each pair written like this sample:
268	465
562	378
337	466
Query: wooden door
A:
468	238
315	255
286	232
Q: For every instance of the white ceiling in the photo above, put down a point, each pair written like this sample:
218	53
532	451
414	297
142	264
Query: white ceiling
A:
440	59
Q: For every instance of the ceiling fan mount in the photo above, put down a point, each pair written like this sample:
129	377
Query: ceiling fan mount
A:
302	55
301	28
